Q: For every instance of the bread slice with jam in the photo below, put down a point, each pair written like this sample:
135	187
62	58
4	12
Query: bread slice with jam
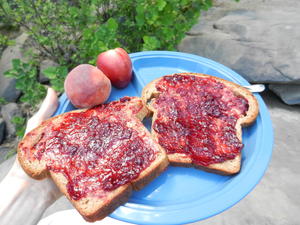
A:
95	156
198	120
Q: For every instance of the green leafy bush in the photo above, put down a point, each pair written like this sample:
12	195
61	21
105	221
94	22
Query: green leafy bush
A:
4	42
3	101
20	125
57	75
26	81
72	32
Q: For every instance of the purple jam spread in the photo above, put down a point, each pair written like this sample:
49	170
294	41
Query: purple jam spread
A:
197	117
95	150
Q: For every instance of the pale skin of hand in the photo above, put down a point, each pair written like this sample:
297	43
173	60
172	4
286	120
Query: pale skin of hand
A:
23	199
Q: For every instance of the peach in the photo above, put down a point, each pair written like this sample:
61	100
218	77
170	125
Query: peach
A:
87	86
117	66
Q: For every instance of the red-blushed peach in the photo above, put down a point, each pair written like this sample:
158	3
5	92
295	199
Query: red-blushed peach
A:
87	86
116	65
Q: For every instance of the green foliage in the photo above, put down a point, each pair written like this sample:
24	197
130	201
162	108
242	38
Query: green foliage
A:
73	32
11	153
162	24
20	125
57	76
4	42
26	81
2	101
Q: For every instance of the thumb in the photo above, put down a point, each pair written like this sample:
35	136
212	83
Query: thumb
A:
46	110
48	106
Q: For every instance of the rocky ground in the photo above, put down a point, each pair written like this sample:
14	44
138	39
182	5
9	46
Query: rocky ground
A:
260	40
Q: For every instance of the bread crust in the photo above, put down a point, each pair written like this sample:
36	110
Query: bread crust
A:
94	208
229	167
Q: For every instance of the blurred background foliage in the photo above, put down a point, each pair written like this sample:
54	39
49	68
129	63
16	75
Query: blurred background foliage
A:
71	32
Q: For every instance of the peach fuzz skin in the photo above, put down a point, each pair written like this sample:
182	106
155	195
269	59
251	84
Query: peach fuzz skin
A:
87	86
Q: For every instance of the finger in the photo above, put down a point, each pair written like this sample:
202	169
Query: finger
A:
49	105
46	110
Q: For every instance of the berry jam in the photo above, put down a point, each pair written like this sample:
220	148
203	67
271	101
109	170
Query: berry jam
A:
95	150
197	117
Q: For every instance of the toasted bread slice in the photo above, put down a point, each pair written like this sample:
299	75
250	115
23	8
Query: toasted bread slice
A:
176	91
95	156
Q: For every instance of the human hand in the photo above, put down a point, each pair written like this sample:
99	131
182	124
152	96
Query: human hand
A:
26	194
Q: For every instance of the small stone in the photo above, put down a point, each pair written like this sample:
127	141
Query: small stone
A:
2	130
44	65
9	111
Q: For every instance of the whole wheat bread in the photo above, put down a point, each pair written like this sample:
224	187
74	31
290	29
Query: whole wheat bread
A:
96	204
150	96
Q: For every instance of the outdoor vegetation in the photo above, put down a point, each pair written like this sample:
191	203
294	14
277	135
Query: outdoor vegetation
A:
72	32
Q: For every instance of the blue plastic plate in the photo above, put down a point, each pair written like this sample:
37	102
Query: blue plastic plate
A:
185	195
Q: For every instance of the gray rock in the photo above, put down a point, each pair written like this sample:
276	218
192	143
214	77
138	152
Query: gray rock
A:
6	166
290	94
2	130
8	90
3	153
259	40
9	111
44	65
